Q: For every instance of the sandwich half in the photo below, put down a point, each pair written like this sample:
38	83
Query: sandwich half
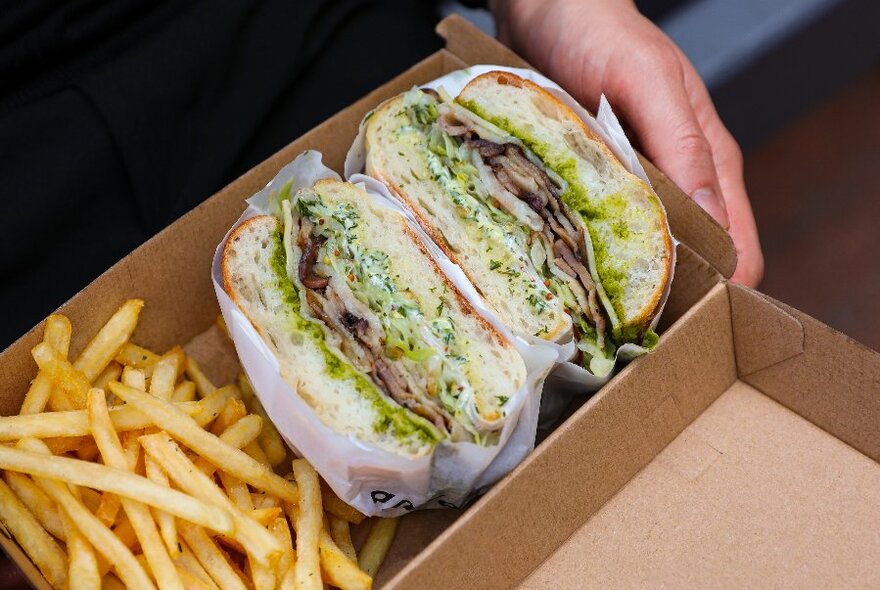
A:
557	236
365	326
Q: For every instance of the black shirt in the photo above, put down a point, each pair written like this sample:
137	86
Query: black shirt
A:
118	117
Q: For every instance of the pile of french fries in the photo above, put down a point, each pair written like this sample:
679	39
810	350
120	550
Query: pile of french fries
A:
127	468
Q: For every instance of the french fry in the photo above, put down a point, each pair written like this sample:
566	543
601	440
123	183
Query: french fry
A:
33	538
262	576
124	531
89	497
71	384
265	516
270	440
184	392
111	582
255	452
167	523
109	340
237	491
190	563
57	335
75	423
39	504
240	434
111	372
340	532
335	506
82	571
338	569
210	557
377	544
88	451
187	430
192	582
194	372
163	378
134	378
307	523
116	481
233	411
66	444
38	394
108	508
160	564
179	357
263	500
281	531
247	390
100	537
137	357
254	538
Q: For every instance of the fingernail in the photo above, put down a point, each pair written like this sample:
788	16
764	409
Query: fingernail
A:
713	204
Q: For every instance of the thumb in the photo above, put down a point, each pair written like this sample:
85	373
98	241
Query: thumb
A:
662	116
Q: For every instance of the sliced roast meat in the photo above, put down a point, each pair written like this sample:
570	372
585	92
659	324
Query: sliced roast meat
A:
395	386
486	148
306	266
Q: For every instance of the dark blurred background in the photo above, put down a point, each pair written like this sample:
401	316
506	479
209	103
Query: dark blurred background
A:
797	82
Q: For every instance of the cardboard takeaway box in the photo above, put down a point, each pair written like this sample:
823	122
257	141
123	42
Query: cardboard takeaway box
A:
743	451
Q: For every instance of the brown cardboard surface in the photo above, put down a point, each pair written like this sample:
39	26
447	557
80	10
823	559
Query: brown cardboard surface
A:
835	382
749	495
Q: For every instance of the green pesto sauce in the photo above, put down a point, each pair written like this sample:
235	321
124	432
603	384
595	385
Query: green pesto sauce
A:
391	418
610	208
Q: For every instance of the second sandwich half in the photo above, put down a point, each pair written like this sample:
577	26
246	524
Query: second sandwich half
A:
560	239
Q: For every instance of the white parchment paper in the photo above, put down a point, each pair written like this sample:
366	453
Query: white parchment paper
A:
567	378
377	482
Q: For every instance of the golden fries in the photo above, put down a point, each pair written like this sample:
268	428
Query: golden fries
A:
139	514
377	544
211	557
270	440
184	428
115	481
83	571
74	473
307	524
100	537
340	532
109	340
338	569
33	538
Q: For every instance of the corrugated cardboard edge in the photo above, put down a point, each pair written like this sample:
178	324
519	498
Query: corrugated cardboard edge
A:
834	381
689	223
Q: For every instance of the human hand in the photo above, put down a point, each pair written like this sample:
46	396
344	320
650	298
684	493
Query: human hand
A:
595	46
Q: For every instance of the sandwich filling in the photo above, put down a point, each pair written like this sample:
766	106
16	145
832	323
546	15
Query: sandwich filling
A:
511	199
416	355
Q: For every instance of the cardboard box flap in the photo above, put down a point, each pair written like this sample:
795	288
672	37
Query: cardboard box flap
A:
763	334
688	221
777	503
834	383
